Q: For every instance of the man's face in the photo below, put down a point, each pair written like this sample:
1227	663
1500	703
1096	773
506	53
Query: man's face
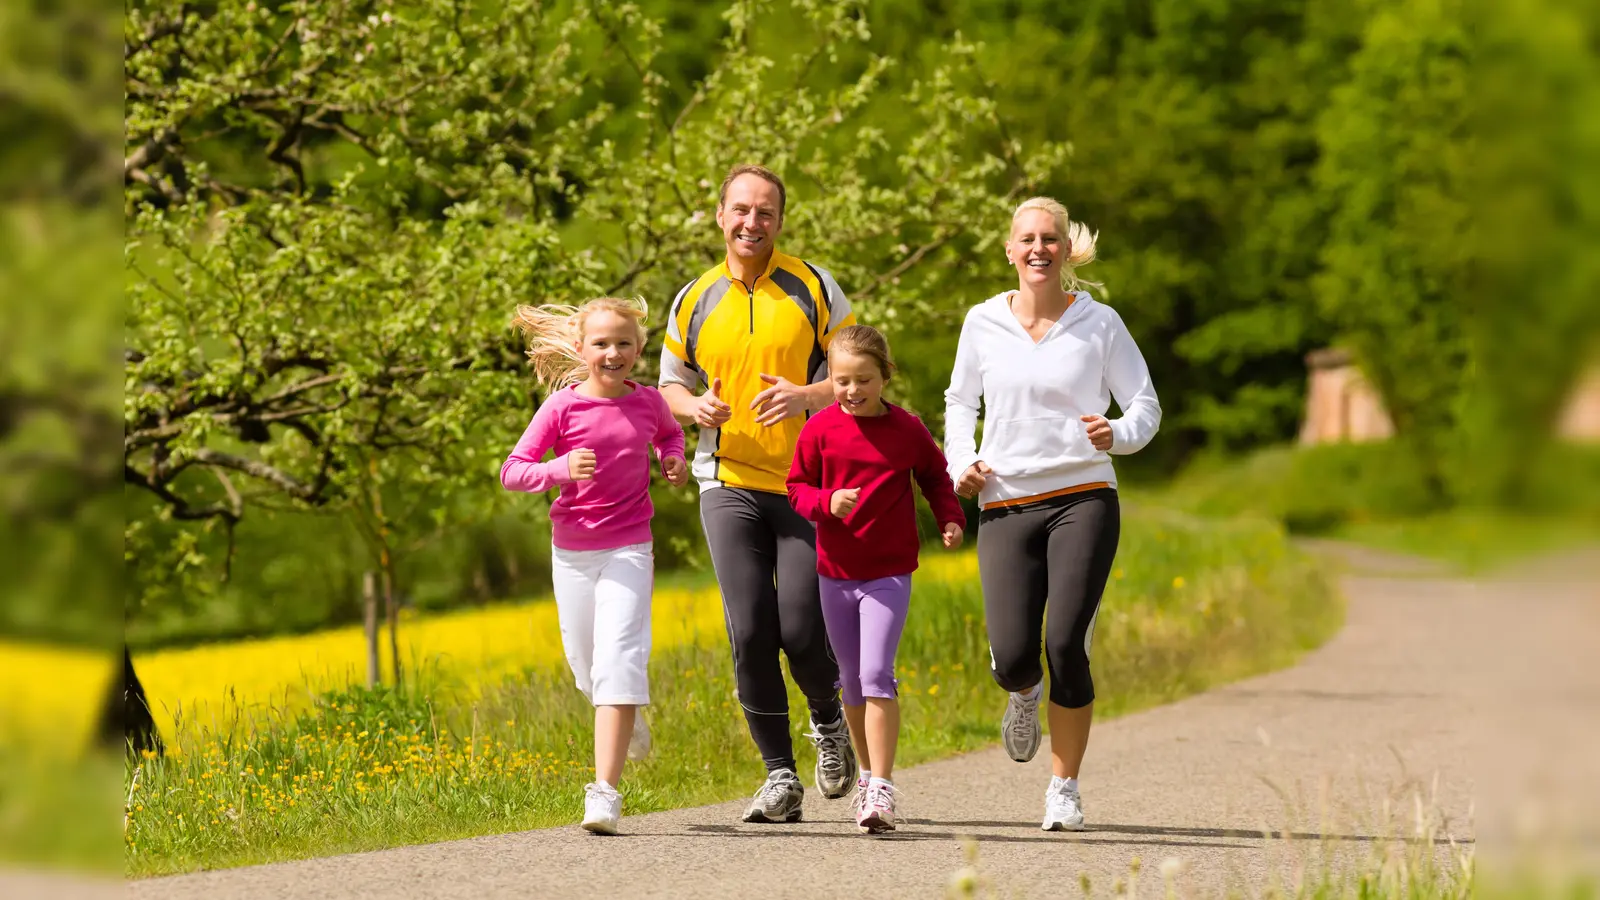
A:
750	217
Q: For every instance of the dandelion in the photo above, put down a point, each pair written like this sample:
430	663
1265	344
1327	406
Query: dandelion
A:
1177	582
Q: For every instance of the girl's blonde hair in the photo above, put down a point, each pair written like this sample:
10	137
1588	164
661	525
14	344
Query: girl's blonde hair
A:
554	331
1080	240
864	340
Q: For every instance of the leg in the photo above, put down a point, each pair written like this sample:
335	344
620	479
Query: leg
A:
1011	565
621	653
841	612
884	603
1082	545
805	643
744	555
804	633
573	577
1011	548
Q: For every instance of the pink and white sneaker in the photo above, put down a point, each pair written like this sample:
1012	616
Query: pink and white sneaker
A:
876	813
859	801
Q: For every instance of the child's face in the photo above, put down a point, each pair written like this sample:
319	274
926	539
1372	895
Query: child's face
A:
609	346
857	383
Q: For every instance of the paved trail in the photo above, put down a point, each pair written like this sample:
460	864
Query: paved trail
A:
1397	702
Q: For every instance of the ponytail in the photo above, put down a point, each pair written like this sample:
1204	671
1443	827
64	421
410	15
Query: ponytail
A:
554	331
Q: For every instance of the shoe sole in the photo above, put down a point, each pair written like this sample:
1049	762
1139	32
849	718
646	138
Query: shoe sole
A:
605	828
1061	826
762	818
875	825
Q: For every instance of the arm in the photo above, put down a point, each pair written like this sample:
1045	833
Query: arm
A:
961	405
668	439
805	478
522	470
1129	380
934	479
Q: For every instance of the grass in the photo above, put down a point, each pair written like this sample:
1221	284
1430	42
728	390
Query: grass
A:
1191	604
1369	494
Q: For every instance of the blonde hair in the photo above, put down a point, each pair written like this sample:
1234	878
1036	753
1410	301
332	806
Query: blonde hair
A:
554	331
1080	240
864	340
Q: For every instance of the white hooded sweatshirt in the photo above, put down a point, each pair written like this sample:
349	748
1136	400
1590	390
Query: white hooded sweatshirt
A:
1033	394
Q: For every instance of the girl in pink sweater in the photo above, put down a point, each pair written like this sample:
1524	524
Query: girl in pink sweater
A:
602	428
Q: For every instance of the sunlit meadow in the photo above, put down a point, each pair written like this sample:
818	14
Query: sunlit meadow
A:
277	755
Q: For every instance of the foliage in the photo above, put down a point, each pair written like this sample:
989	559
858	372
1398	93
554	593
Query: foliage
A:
1191	604
334	207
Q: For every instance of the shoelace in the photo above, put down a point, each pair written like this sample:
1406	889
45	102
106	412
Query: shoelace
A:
881	797
1062	801
830	755
773	790
1024	723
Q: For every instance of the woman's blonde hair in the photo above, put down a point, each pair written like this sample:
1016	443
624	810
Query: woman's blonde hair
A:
864	340
1080	240
554	331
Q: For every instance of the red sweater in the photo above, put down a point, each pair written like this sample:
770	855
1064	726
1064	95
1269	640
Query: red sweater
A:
879	455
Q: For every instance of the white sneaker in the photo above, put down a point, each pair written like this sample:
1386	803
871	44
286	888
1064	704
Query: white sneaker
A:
1019	728
1063	810
602	808
639	744
876	814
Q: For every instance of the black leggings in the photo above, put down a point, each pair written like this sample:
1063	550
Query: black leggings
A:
765	556
1053	554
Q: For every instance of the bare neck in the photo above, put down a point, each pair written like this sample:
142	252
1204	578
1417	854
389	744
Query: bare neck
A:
1041	301
748	270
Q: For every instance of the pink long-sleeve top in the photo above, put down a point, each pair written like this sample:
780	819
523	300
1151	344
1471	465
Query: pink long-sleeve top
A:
613	508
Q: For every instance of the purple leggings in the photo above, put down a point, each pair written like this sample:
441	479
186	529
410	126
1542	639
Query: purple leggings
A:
864	620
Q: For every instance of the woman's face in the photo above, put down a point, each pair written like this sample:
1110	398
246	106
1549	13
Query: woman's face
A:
1036	248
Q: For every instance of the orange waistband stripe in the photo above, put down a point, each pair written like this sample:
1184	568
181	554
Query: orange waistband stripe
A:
1075	489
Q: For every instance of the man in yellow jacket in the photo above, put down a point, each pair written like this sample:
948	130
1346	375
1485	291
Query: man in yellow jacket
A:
745	359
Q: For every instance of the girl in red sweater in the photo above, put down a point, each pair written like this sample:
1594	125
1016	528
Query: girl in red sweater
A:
852	475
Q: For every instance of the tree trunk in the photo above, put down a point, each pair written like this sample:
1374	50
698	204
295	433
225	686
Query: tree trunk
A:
125	720
369	599
391	606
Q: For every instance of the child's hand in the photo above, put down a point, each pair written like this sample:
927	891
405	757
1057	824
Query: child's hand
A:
842	502
580	465
952	536
676	470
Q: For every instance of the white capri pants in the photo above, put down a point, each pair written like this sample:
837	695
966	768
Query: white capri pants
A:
603	604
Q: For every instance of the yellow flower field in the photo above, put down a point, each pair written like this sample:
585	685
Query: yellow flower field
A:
212	683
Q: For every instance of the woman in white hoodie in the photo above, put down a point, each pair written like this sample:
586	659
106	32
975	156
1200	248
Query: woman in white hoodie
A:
1045	360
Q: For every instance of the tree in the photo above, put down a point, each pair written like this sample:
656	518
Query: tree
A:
335	206
1396	170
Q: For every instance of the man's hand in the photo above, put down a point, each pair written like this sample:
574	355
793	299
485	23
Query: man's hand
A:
676	470
972	480
709	410
952	536
783	399
843	501
1099	431
580	465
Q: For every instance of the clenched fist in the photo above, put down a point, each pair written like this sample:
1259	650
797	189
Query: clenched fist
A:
676	470
1099	431
580	465
972	480
843	501
952	536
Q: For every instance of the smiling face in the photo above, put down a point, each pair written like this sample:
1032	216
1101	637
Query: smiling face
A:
751	215
1036	248
609	346
857	383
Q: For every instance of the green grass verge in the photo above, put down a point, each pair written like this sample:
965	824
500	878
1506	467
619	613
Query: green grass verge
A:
1192	604
1369	494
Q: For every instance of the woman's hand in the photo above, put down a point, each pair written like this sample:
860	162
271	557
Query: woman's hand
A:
1099	431
972	480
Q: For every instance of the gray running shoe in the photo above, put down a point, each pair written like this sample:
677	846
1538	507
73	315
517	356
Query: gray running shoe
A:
778	800
836	759
1019	729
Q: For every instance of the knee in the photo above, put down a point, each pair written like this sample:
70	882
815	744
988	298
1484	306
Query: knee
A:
1013	670
878	681
1071	685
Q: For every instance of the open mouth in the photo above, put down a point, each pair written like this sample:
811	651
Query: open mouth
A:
614	367
856	403
1038	263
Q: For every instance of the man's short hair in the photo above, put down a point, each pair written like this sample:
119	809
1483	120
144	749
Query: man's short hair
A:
759	171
